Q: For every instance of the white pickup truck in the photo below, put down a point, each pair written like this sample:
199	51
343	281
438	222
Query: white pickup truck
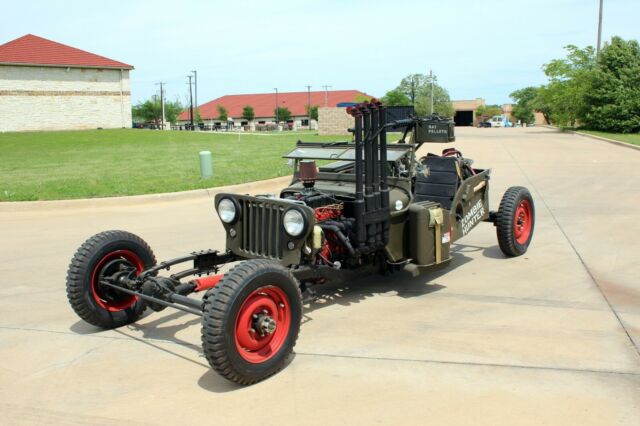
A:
497	121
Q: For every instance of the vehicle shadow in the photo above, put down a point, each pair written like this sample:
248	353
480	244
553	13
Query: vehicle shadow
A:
492	252
402	283
165	328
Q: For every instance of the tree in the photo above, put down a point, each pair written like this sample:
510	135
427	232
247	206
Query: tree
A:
523	109
441	101
222	113
569	80
396	97
172	110
613	97
151	111
147	111
415	90
197	116
542	103
362	98
248	113
312	112
484	112
282	113
411	85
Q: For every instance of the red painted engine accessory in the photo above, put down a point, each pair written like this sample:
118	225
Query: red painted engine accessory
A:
331	245
332	211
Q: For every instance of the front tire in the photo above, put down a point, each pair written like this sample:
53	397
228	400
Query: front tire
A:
251	321
515	221
100	256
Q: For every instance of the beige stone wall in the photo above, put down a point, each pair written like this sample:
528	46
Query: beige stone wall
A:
49	98
538	117
334	121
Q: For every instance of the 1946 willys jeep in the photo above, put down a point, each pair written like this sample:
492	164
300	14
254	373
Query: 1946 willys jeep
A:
370	207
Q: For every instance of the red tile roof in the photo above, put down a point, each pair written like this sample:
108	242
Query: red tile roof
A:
264	104
34	50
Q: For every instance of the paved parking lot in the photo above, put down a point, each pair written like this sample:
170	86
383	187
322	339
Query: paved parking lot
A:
551	337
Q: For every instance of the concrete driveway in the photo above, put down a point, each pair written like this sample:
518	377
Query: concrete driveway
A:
551	337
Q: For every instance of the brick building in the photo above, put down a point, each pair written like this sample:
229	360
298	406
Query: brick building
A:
334	121
465	111
46	85
264	105
538	117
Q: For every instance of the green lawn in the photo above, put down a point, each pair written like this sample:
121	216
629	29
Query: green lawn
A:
101	163
632	138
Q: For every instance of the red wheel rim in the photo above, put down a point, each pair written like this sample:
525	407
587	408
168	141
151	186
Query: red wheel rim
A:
523	222
260	308
108	264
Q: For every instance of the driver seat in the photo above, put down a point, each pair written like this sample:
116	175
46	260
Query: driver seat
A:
439	181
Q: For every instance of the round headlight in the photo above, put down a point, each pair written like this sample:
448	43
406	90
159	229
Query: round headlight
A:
227	210
293	222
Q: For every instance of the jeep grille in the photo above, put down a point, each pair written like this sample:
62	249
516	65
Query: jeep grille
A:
261	228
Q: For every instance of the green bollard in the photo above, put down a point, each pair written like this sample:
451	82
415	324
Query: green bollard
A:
205	165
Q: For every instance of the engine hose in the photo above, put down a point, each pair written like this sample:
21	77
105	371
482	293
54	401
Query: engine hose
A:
338	233
343	226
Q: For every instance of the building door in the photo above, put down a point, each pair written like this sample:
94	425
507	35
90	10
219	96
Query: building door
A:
463	118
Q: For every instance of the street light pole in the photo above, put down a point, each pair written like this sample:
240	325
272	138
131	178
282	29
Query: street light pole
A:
309	104
599	30
195	84
190	102
277	121
162	102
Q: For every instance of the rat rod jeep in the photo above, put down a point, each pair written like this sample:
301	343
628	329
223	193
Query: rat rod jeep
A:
371	207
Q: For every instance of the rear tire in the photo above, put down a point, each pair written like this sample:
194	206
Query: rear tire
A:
515	221
99	256
236	336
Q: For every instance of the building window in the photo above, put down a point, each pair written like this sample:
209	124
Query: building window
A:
305	122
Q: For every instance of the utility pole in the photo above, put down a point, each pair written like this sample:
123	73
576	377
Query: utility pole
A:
326	94
309	104
161	84
276	111
190	102
599	30
195	84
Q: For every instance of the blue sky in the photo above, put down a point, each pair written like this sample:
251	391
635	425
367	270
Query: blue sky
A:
476	48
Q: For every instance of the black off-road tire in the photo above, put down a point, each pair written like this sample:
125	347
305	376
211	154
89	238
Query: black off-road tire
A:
225	305
99	254
515	221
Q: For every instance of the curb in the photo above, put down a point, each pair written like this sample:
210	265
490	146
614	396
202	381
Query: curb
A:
601	138
263	186
613	141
